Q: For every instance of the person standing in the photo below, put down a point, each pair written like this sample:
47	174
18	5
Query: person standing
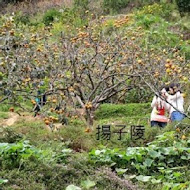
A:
175	98
41	100
160	107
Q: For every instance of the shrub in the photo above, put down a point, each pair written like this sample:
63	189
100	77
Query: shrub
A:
14	154
20	18
9	136
11	1
183	5
138	96
50	16
113	6
153	13
4	107
35	176
81	4
4	115
79	140
147	20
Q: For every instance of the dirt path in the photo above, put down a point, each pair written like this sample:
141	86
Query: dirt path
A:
13	118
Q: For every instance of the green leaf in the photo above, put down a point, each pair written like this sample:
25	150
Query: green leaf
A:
3	181
68	74
184	158
87	184
120	171
154	181
129	176
72	187
154	154
177	174
139	158
97	152
143	178
66	151
148	162
171	160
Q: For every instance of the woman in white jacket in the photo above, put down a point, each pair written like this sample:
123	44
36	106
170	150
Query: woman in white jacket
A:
175	98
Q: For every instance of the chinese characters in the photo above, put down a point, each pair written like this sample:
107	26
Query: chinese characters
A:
104	132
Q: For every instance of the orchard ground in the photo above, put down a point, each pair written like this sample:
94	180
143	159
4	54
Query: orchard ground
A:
66	167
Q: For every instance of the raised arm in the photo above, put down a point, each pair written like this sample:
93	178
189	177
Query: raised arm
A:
173	97
167	106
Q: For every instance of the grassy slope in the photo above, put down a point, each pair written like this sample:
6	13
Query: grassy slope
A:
74	137
71	136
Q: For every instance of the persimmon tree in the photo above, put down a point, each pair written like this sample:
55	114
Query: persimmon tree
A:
86	67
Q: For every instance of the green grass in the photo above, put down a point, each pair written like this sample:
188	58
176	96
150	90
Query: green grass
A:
4	107
122	110
4	115
74	134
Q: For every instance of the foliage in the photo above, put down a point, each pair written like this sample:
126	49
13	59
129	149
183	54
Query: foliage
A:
9	136
87	184
3	181
162	10
183	5
81	4
3	115
113	6
11	1
72	187
74	18
50	16
155	163
78	171
147	20
60	157
40	176
15	154
21	18
79	140
4	107
138	95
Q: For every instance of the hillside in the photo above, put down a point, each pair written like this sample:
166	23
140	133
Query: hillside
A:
76	83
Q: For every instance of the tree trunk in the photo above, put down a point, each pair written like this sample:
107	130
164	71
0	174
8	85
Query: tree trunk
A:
89	118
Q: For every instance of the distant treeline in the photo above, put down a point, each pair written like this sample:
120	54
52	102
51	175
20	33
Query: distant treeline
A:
114	6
